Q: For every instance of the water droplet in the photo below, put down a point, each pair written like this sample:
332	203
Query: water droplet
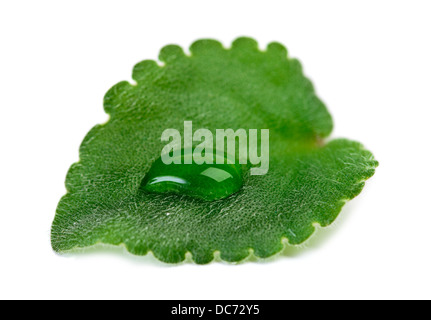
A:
205	181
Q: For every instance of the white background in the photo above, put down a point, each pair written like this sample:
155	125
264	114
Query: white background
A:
370	62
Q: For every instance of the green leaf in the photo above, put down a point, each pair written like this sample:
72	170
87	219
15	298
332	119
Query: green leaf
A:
308	182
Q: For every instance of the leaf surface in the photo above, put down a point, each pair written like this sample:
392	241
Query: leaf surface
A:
308	182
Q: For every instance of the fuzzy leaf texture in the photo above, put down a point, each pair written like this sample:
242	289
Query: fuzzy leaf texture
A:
308	182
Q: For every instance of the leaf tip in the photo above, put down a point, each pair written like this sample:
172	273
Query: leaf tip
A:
206	45
171	52
145	70
245	43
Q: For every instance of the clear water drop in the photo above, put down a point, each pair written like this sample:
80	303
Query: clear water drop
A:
205	181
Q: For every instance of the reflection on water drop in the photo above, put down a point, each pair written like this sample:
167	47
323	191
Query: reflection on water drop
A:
205	181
